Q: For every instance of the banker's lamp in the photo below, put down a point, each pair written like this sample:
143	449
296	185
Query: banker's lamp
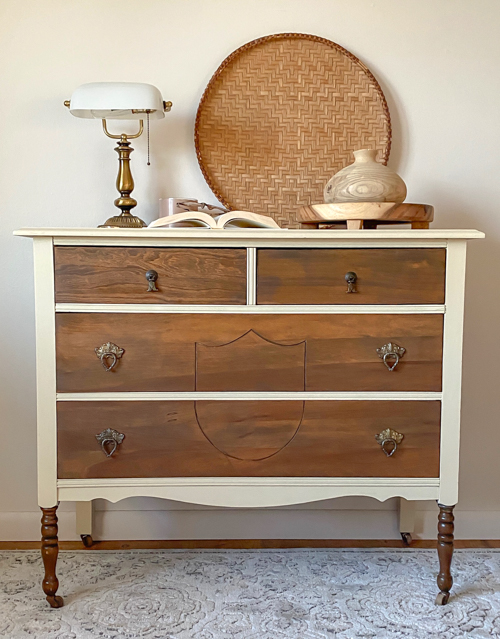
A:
120	101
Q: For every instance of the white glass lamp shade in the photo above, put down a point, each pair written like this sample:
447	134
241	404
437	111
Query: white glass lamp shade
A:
116	101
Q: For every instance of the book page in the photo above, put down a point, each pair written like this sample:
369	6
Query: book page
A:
245	219
189	218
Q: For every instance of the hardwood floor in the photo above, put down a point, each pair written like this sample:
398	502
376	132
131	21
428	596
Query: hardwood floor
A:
190	544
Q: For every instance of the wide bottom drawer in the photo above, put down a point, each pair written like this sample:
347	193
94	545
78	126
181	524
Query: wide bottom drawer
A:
247	439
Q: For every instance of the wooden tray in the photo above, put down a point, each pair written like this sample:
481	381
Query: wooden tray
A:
280	116
360	215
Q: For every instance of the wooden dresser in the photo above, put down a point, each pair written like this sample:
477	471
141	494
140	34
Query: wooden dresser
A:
248	368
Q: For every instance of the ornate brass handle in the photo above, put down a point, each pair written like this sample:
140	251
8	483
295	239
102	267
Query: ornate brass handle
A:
391	353
151	277
109	440
389	440
351	278
109	354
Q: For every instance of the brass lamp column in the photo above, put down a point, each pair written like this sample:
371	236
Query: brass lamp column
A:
124	182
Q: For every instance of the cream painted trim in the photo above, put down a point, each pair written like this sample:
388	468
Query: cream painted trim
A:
243	242
253	234
251	276
84	517
45	371
246	396
340	309
406	516
452	371
248	492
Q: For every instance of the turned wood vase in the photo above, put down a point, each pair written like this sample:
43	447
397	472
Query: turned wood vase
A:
366	180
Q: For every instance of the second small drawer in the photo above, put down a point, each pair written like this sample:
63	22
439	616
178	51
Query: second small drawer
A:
368	276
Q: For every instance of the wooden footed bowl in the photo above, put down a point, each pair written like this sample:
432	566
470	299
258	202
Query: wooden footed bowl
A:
359	215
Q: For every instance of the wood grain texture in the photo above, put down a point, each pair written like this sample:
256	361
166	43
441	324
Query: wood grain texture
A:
365	180
183	352
163	439
379	211
316	276
252	362
117	275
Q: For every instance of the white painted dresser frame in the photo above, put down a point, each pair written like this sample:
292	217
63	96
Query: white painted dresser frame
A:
241	491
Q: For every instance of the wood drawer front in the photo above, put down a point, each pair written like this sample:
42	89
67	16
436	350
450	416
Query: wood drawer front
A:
117	275
248	439
226	352
384	276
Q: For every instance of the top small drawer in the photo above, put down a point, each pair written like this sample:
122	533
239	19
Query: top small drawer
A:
383	276
117	275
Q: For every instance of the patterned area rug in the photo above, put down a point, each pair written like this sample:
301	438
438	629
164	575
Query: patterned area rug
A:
255	594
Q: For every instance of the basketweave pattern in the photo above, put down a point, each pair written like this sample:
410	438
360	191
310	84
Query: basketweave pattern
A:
280	116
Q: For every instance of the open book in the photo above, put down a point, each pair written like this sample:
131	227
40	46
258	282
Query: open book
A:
231	219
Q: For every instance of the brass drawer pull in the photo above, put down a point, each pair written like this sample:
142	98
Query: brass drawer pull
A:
351	278
109	440
109	354
151	277
389	440
391	353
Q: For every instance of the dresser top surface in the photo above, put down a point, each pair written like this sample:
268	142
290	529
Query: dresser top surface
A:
289	235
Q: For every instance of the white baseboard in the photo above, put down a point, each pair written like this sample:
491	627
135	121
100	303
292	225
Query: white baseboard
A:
287	523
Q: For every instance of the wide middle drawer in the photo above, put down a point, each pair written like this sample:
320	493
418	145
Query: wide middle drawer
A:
247	352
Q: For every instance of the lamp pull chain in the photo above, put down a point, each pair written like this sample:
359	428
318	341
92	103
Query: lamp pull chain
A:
147	123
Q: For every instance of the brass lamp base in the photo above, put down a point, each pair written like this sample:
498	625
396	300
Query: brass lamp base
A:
124	183
123	221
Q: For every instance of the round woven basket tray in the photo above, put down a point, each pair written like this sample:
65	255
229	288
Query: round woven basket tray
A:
280	116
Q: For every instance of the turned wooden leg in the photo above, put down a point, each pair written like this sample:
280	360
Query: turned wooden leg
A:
445	552
50	550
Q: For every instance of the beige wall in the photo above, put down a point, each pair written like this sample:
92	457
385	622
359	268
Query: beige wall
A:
438	65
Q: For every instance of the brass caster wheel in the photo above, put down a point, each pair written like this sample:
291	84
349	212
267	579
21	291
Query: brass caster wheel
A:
407	539
55	602
87	540
442	598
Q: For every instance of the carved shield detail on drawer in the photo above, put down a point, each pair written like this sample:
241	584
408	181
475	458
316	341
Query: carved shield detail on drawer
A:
249	430
251	362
